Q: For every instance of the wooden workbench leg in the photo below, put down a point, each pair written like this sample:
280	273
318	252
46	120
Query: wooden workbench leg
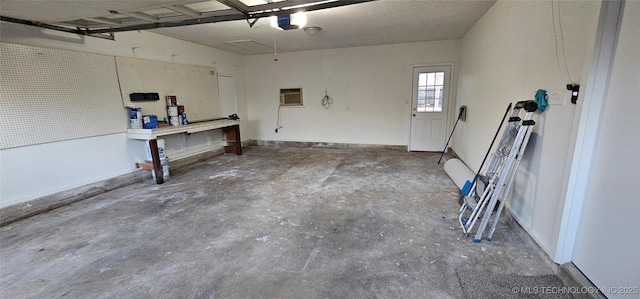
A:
238	144
155	156
232	137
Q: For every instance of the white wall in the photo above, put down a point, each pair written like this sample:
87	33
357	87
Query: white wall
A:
30	172
506	57
608	242
370	87
34	171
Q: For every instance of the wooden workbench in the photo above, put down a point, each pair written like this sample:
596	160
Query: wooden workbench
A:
230	130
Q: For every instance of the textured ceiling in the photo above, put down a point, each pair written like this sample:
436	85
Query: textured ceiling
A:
364	24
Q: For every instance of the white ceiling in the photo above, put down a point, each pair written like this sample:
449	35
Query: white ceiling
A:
363	24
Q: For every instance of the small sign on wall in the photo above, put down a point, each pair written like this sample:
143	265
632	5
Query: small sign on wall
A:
144	97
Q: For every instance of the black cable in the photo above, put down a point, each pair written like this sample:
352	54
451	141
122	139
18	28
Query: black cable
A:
555	40
326	101
278	120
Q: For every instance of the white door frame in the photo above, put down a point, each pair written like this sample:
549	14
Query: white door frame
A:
592	103
235	96
449	93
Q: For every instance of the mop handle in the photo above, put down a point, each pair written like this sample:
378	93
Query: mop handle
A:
475	178
451	135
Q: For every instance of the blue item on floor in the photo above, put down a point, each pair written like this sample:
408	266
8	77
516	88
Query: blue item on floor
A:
466	188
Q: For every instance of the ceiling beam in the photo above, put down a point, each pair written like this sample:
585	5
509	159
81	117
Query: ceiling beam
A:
184	10
237	5
42	25
181	17
141	16
225	18
242	14
103	21
279	5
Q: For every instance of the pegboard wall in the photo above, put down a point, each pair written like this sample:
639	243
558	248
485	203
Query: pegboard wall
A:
49	95
195	87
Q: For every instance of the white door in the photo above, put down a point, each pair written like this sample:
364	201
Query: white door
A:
227	93
430	101
607	244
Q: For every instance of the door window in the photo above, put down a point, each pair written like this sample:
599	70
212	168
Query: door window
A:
430	92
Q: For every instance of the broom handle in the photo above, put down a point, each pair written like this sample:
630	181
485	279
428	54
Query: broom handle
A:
475	178
454	129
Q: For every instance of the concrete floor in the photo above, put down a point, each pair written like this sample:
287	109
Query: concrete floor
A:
272	223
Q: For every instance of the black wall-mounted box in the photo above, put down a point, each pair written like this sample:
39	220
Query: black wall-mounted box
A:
144	97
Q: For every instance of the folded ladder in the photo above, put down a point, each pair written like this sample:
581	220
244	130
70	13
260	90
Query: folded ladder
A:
497	175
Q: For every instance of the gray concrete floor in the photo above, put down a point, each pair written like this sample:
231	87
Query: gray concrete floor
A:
272	223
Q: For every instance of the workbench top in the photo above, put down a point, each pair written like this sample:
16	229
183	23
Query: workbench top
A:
150	134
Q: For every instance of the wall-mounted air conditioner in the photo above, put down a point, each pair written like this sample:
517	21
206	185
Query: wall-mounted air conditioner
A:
291	97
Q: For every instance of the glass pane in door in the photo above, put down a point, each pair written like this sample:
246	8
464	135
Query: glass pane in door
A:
430	92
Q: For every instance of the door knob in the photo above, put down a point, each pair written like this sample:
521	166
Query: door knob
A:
414	115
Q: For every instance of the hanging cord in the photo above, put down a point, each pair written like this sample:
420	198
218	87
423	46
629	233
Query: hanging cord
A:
279	126
555	40
119	85
275	48
326	101
275	59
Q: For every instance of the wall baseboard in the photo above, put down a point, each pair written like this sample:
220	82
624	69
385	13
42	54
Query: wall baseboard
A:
574	278
527	238
568	273
186	161
333	145
56	200
53	201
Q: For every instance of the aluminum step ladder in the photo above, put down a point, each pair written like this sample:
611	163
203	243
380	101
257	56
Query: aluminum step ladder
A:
495	178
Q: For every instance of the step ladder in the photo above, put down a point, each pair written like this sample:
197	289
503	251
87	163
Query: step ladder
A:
495	178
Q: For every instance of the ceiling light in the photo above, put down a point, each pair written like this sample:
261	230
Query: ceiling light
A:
312	31
288	22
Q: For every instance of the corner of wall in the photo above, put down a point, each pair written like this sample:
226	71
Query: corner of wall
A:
506	56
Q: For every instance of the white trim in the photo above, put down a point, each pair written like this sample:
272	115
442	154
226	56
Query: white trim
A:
225	75
235	92
594	98
542	243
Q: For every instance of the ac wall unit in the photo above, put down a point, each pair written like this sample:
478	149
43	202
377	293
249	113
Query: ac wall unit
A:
291	97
